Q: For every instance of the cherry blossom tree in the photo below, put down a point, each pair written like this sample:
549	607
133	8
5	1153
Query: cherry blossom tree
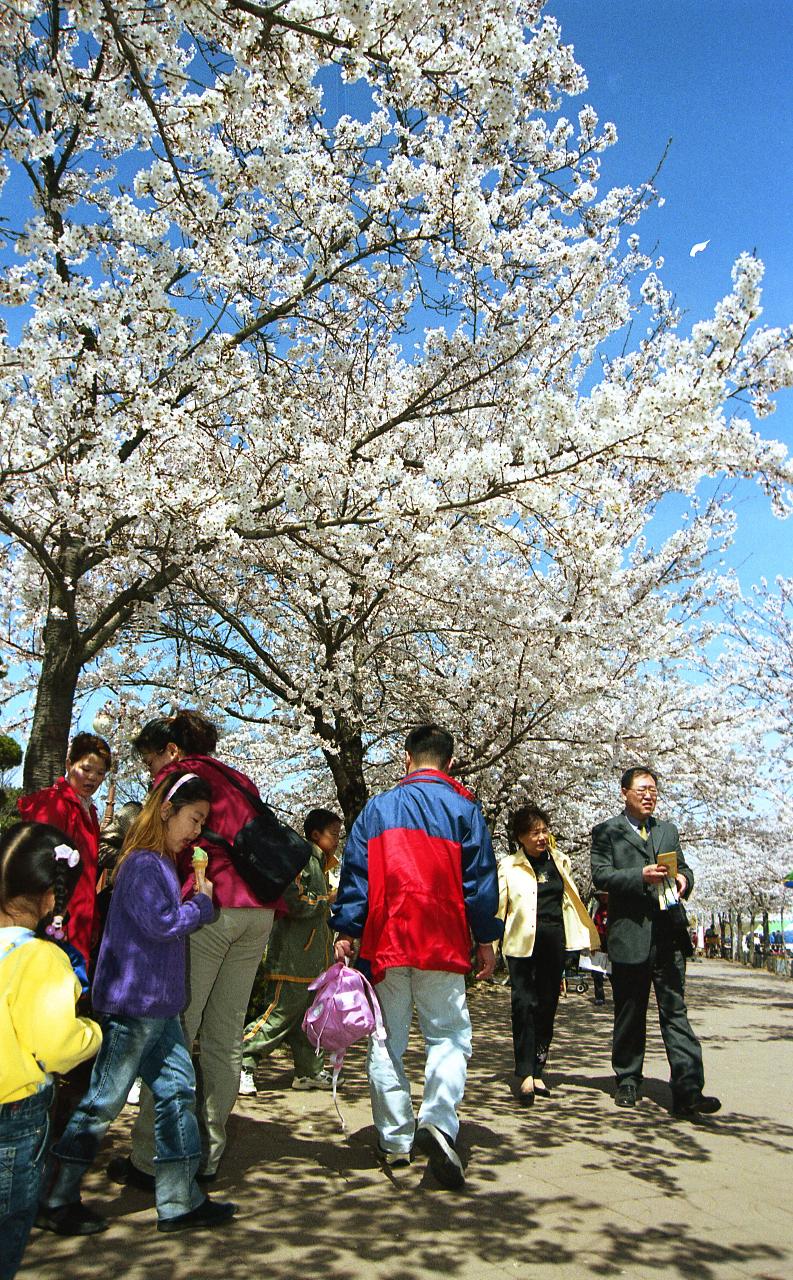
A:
321	319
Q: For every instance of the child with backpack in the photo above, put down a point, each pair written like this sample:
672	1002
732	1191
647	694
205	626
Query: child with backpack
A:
140	990
299	948
39	1031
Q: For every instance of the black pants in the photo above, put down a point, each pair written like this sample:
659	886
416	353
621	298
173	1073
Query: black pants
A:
536	980
665	969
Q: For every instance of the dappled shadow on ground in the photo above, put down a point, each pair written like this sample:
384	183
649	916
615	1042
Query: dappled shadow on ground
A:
316	1202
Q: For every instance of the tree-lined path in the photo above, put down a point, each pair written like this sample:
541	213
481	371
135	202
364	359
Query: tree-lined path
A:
571	1189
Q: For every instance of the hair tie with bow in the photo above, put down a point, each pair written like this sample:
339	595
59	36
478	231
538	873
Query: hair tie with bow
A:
65	853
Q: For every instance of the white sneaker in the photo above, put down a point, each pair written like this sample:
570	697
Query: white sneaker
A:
247	1084
133	1097
323	1081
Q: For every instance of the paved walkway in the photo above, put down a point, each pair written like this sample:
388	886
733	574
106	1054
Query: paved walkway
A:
568	1189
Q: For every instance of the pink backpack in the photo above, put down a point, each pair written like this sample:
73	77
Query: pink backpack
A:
343	1011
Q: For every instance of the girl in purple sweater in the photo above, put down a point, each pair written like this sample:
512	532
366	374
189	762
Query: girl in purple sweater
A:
139	991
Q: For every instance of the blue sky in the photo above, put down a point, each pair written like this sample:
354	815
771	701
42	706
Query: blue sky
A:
714	76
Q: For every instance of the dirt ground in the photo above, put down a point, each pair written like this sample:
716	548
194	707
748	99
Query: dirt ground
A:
570	1188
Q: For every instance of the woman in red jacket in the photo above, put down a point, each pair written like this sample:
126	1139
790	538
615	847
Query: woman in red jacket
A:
67	805
224	955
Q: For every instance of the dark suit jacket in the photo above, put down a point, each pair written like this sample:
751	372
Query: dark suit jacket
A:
618	857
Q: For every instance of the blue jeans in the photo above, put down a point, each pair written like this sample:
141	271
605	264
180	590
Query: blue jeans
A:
154	1049
445	1024
24	1127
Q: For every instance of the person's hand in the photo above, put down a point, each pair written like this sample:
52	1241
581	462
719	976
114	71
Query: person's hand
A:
342	949
486	959
655	873
682	884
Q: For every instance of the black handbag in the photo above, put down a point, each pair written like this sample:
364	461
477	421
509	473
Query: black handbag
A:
266	852
677	923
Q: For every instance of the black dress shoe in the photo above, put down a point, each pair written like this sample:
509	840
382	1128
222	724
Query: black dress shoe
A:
445	1163
206	1177
699	1105
542	1092
212	1213
626	1095
122	1170
70	1220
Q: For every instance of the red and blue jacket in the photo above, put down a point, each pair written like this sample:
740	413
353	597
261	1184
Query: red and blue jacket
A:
418	877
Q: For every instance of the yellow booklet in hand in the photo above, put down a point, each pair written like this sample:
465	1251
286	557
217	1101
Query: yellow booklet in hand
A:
668	860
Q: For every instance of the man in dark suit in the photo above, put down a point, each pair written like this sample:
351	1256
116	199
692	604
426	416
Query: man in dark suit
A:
647	945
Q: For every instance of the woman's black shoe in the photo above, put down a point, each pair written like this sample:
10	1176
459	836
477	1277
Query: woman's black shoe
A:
70	1220
122	1170
212	1213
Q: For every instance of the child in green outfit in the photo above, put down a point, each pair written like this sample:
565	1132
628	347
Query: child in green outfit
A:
300	947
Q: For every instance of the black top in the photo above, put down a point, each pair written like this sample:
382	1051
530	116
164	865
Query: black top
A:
550	889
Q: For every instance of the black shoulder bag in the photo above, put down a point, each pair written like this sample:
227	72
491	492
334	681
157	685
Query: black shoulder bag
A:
266	852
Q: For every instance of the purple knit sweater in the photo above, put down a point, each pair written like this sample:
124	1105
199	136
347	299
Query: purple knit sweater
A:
141	968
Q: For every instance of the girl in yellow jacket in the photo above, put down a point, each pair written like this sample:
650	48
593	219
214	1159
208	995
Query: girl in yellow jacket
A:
39	1031
543	917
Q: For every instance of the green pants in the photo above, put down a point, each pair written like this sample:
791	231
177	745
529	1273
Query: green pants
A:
284	1004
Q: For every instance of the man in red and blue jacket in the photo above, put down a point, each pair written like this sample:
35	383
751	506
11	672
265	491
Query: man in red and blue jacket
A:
417	879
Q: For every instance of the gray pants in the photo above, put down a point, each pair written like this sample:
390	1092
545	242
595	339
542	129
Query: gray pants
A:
665	970
224	957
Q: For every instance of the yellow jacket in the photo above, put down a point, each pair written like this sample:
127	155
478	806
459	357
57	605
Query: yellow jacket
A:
517	906
39	1029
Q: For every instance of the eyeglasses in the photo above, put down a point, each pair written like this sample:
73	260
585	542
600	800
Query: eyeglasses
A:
645	791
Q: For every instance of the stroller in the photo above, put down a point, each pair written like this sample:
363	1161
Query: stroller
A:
573	978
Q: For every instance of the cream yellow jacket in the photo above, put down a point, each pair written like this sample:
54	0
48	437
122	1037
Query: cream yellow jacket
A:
517	907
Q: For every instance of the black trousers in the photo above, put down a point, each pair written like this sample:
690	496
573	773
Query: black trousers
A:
665	970
536	980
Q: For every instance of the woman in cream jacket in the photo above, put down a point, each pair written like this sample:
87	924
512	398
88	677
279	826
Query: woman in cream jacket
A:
543	917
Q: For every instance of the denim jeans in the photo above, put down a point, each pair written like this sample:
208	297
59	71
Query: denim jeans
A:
154	1049
223	959
24	1127
445	1024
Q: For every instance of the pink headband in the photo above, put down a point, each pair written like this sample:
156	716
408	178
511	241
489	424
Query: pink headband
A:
185	778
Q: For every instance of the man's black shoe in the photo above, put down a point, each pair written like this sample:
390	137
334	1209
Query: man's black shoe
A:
70	1220
444	1160
212	1213
626	1095
699	1105
121	1169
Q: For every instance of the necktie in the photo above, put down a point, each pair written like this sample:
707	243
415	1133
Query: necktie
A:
643	832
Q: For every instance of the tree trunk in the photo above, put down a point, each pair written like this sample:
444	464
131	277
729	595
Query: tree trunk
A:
346	766
52	718
766	938
739	939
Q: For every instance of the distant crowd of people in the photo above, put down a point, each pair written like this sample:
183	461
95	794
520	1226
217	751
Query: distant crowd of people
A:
177	955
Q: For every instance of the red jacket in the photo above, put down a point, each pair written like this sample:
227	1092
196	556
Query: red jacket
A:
228	812
418	872
60	805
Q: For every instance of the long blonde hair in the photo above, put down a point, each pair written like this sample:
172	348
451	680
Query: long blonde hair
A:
148	829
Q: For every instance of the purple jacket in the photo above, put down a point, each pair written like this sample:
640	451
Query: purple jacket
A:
141	968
